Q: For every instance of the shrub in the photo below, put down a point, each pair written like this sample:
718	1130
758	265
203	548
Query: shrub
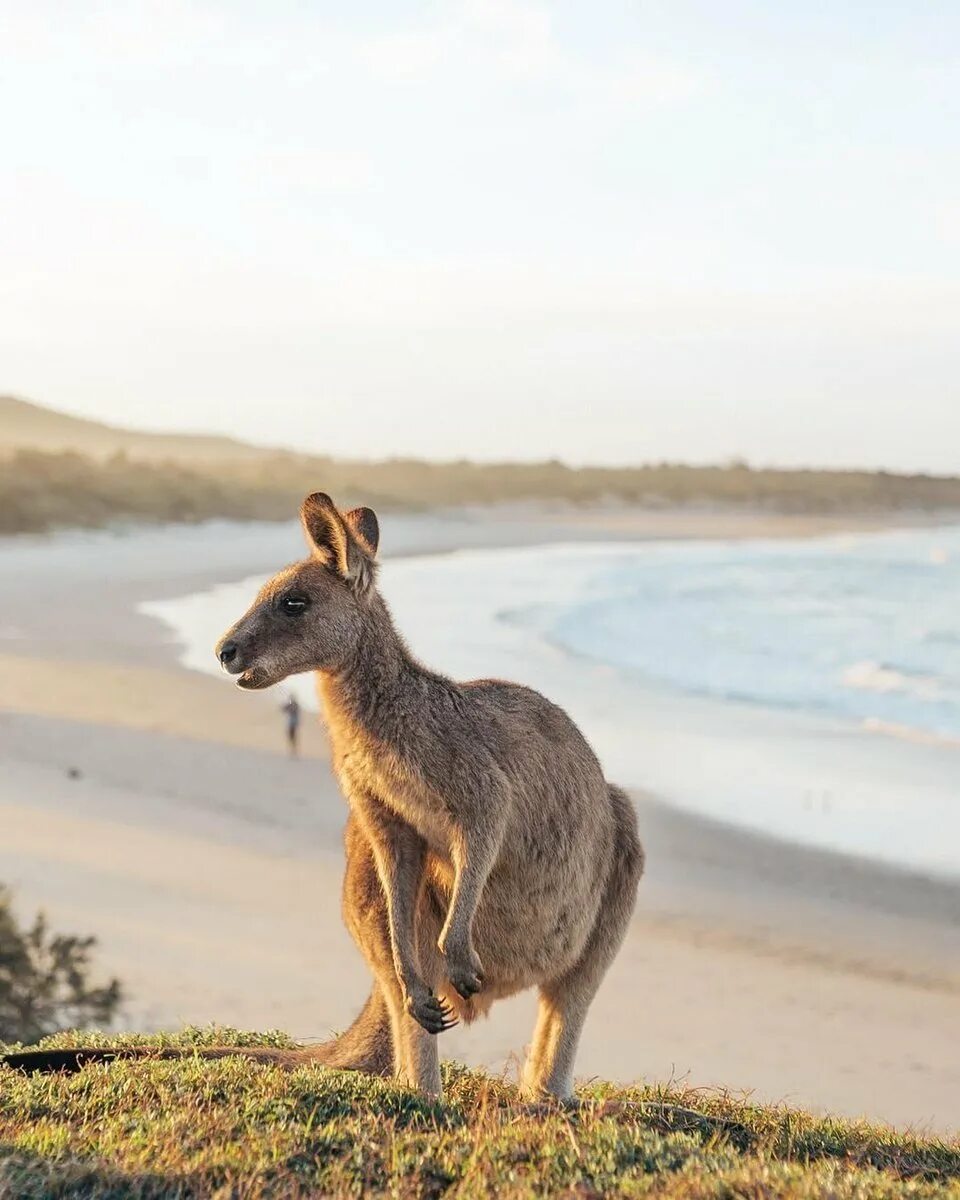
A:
44	980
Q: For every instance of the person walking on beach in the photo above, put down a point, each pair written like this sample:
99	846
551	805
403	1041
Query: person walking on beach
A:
292	709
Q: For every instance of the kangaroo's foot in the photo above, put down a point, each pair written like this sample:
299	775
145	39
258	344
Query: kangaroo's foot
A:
463	968
428	1010
420	1067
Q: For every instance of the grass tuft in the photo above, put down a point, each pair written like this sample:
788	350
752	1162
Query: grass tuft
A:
197	1129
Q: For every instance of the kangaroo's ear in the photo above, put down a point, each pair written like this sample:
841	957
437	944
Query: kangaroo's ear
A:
331	538
364	523
323	527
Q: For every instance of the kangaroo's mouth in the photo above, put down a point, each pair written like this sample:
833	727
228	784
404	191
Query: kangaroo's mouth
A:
253	678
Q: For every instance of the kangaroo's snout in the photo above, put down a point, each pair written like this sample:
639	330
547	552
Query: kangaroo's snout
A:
239	656
227	653
231	655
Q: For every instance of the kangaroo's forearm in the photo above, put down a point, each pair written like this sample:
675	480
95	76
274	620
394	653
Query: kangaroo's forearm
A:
473	860
401	885
399	854
400	875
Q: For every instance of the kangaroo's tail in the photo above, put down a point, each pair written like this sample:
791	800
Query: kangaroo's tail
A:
366	1046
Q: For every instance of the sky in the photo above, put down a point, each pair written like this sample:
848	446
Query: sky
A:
609	232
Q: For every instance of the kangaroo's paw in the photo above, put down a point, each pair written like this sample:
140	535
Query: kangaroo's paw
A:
430	1011
465	971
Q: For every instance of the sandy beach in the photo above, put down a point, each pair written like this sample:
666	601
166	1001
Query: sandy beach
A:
155	807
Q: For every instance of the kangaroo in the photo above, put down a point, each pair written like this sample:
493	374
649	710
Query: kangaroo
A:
485	851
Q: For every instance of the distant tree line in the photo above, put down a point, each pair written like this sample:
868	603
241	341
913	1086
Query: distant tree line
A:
40	491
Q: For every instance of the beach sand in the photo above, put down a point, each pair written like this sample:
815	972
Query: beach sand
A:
156	808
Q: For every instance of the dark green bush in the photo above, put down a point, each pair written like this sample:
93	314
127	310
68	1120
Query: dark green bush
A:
45	980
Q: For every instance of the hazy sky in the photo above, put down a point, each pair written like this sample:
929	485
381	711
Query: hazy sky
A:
607	232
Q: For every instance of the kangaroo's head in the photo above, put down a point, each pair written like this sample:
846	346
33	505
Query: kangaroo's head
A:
309	616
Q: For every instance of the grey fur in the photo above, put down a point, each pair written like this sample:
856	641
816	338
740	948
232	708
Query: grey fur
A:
485	851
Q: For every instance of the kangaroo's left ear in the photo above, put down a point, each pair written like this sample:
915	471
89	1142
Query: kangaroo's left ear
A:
364	523
333	537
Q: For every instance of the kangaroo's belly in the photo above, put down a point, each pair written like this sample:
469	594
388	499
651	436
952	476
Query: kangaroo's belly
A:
540	902
533	920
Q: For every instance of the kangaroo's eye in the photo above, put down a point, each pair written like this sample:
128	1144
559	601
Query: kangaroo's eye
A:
294	603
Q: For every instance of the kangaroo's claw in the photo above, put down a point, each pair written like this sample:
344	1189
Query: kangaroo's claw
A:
467	983
434	1014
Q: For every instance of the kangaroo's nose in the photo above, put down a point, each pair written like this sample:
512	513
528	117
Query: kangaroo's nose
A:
228	652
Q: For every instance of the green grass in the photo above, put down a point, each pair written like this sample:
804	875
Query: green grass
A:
231	1128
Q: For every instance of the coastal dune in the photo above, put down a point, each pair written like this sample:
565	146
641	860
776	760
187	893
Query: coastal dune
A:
155	807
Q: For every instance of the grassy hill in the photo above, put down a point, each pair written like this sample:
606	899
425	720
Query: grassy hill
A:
27	426
232	1129
58	471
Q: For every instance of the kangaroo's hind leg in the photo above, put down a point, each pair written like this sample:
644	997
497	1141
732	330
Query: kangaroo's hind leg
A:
416	1055
563	1008
564	1001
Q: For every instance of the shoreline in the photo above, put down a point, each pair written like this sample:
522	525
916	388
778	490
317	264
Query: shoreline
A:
159	562
190	840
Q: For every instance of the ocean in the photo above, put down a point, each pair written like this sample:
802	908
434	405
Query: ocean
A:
808	689
865	629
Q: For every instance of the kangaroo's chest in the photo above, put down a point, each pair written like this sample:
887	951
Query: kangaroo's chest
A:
382	777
